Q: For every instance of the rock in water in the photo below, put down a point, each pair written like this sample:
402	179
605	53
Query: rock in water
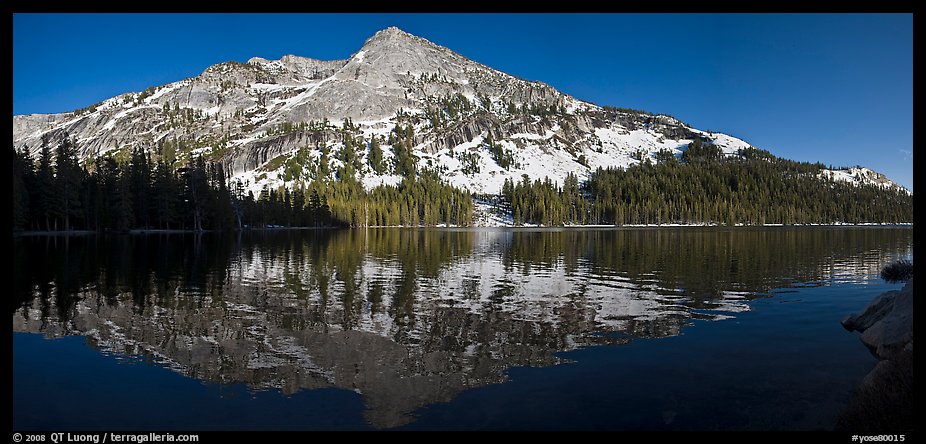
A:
884	399
887	323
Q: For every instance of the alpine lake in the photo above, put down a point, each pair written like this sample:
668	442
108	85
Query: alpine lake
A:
687	328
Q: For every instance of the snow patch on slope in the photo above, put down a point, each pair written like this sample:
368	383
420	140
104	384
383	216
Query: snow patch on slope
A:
861	175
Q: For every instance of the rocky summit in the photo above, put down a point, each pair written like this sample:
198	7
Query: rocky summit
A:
473	124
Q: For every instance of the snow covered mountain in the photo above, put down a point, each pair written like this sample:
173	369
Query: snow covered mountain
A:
466	116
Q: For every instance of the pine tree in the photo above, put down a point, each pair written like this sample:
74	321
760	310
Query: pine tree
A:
163	194
375	158
45	186
123	217
22	178
140	182
68	179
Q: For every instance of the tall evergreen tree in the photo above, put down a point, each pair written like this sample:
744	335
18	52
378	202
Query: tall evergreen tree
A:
164	190
375	158
140	184
68	180
45	186
22	178
123	215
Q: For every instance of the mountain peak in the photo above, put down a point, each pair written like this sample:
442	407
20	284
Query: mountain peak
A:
454	104
393	37
393	31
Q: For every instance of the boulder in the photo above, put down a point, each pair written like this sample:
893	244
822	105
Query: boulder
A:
887	323
876	309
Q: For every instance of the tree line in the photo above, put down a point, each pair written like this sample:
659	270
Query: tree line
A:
123	192
706	186
115	193
119	193
545	203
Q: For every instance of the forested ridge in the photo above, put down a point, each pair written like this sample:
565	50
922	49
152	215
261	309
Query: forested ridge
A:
134	191
120	193
753	187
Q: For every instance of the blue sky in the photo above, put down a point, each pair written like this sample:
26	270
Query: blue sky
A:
834	88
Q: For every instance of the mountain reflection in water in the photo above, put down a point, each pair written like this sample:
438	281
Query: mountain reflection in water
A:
409	317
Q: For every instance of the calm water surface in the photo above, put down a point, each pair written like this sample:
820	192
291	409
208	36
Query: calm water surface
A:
634	329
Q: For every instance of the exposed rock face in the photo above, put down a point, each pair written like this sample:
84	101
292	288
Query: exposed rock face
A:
887	323
884	398
233	113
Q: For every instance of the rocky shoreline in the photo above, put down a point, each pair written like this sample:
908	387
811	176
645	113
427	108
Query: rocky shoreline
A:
884	399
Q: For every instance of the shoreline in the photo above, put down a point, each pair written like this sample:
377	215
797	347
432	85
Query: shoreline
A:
883	399
157	231
444	226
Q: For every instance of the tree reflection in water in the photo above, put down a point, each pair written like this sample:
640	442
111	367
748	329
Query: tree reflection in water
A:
409	317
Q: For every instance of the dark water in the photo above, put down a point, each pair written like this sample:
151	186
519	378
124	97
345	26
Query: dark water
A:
640	329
